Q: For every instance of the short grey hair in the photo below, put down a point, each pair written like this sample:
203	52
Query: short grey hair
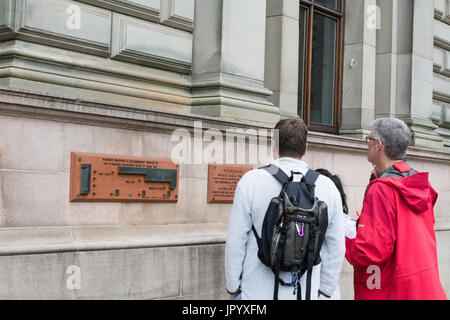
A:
394	134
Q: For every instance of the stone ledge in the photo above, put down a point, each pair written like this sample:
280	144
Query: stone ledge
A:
19	241
442	225
16	102
22	241
317	139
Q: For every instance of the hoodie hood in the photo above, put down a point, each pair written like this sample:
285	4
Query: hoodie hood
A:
415	190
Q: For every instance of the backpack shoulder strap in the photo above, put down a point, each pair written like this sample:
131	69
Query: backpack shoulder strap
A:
258	239
277	173
311	177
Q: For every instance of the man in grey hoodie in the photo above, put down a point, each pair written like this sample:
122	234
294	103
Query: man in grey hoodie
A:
245	274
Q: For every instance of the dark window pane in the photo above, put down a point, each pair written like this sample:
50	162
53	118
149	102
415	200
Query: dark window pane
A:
323	70
302	53
333	4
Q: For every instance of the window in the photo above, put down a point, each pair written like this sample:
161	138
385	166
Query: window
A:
320	65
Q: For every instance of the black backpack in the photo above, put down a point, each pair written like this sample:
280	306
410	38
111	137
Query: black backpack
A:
293	230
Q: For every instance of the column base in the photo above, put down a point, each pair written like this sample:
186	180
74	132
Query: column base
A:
423	133
354	133
233	97
445	134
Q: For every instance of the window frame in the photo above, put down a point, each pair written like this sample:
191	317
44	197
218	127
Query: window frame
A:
311	7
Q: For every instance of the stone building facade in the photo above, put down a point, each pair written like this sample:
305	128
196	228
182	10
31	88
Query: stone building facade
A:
119	77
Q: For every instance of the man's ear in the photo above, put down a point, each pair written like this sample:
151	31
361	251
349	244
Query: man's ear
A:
306	149
380	146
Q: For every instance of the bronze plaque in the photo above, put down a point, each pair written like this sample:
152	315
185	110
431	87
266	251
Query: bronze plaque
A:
222	181
100	177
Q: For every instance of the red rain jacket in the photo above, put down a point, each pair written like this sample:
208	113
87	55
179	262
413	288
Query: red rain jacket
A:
394	253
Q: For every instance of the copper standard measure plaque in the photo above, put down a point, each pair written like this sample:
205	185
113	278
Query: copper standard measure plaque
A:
100	177
222	181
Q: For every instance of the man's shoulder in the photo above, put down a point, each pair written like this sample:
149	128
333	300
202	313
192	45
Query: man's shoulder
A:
378	188
254	175
259	174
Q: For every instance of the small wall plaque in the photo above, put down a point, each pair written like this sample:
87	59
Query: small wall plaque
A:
100	177
222	181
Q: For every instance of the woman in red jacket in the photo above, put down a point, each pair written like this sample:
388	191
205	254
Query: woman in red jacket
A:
394	253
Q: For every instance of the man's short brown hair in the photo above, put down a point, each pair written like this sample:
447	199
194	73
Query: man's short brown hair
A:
292	136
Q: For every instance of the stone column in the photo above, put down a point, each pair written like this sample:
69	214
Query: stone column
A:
282	55
228	61
358	96
422	76
393	57
404	84
441	83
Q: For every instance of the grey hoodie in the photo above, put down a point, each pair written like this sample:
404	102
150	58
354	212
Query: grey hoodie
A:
244	270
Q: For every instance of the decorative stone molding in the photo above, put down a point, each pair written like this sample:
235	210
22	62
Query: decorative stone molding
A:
90	76
144	9
440	96
178	14
442	12
175	13
151	44
441	116
85	26
71	27
441	56
6	21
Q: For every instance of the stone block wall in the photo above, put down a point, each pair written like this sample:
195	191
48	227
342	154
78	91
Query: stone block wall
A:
180	272
136	250
119	77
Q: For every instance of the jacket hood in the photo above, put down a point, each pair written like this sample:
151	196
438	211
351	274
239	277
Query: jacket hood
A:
415	190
